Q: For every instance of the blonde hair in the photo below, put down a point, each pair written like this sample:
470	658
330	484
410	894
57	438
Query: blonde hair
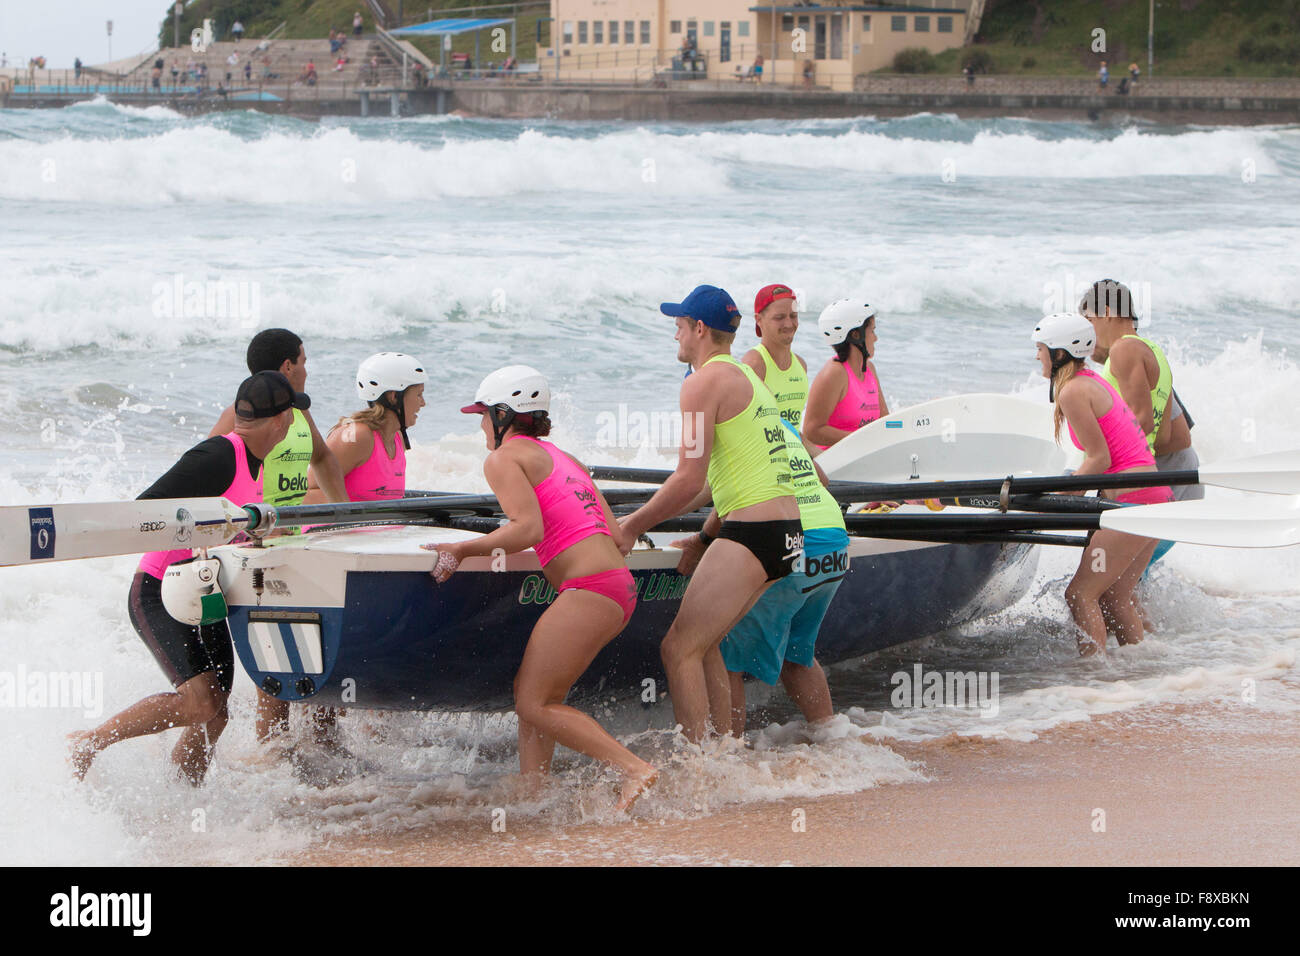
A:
1063	375
372	417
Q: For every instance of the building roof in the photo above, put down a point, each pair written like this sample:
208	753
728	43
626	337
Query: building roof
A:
448	26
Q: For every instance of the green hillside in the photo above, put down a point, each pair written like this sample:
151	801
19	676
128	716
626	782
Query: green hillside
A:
1192	37
315	18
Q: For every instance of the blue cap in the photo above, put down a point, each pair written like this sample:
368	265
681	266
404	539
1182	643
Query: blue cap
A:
709	305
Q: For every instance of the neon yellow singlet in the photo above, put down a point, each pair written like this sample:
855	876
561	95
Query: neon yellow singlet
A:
817	509
789	387
749	463
284	472
1159	395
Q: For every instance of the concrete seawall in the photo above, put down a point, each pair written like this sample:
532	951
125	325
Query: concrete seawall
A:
1208	101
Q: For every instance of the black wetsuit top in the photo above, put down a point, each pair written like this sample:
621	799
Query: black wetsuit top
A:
205	471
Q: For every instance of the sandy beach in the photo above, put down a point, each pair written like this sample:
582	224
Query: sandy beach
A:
1211	785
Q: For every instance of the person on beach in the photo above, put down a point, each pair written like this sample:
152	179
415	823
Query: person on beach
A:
1134	72
1138	368
237	31
199	660
554	507
1105	429
732	441
356	24
846	393
776	320
1103	77
283	482
365	443
776	640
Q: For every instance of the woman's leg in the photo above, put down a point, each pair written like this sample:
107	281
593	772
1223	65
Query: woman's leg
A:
1118	603
1107	556
562	646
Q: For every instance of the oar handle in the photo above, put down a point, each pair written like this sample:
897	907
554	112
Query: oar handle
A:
1029	485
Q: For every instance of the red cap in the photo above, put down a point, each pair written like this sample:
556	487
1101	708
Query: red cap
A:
769	294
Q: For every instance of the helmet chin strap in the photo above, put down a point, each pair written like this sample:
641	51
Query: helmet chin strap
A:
859	338
1057	365
398	408
501	422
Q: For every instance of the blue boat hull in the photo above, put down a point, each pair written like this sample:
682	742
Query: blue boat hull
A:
399	642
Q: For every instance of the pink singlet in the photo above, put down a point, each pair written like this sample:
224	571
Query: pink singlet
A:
378	478
571	512
1126	443
243	489
860	404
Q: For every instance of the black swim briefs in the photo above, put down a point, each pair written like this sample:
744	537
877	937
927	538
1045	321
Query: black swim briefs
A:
778	545
181	650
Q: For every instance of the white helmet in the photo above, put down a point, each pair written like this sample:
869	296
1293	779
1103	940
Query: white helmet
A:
841	317
521	388
1066	330
191	592
388	371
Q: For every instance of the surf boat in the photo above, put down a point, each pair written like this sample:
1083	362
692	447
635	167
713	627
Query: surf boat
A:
353	617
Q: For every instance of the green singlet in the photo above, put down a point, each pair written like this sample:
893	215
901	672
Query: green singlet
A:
789	387
284	473
1159	395
749	463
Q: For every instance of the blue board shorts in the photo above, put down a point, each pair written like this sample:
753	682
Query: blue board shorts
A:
784	623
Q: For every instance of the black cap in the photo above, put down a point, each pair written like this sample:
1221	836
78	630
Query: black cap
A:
267	394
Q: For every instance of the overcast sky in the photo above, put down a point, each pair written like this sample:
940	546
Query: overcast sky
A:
61	30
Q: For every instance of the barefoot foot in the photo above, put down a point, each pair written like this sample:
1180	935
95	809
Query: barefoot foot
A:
635	784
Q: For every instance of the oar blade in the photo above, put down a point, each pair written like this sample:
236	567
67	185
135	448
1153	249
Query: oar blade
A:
1277	473
1246	523
66	532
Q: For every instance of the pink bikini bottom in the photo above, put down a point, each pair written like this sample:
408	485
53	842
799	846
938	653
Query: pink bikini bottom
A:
617	585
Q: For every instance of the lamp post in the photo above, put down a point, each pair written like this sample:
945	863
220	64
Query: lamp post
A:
1151	36
176	24
110	41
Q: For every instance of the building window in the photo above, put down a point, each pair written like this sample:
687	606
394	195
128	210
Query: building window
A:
898	24
597	31
674	26
787	23
866	24
645	32
945	24
568	31
629	32
922	25
582	31
708	28
837	36
742	28
613	31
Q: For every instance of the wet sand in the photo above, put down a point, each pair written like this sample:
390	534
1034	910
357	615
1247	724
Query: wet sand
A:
1210	785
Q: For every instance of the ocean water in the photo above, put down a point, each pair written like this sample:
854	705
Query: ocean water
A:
142	249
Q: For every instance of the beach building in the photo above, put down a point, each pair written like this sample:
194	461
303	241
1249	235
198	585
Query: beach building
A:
827	44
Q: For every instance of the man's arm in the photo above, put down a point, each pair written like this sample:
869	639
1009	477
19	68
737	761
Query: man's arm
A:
1128	365
325	465
675	496
755	361
205	471
225	423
